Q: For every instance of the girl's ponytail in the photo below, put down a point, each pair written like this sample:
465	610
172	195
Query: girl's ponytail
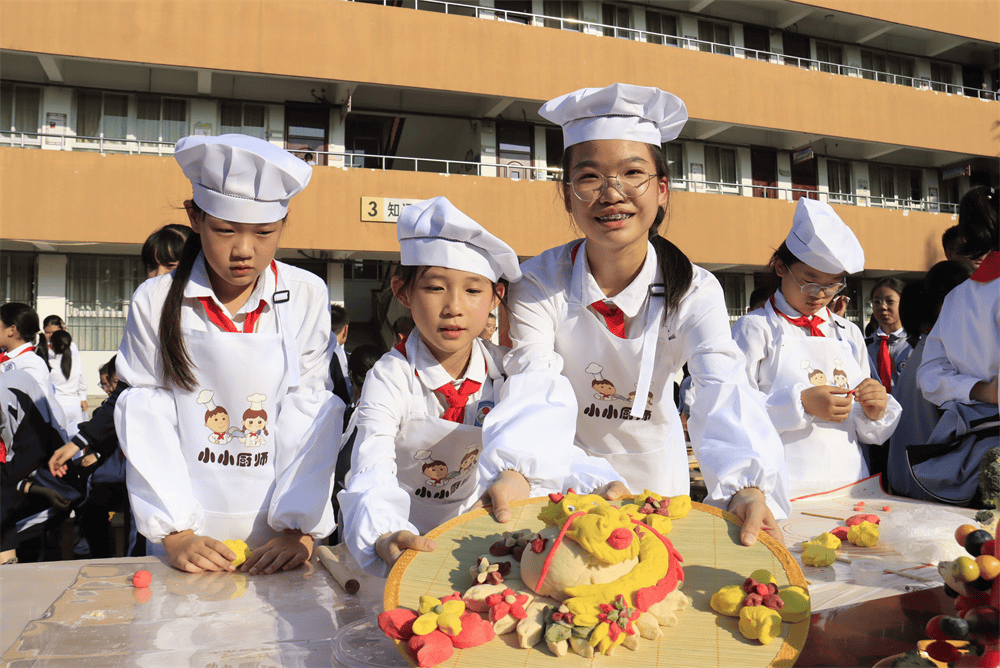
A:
177	363
61	345
675	267
42	349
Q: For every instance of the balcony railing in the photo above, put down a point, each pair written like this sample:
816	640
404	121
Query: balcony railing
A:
527	18
515	172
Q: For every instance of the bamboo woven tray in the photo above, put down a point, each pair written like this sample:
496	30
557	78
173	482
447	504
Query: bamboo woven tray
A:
708	540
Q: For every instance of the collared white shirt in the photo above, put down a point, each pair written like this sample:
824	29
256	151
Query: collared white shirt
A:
759	335
963	348
372	502
735	449
146	415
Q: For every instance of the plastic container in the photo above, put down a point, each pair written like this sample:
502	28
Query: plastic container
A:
867	572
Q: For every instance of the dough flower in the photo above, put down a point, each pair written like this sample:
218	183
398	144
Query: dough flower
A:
863	535
507	603
615	622
445	616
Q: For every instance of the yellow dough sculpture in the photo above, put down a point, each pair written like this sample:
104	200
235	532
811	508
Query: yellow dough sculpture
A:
608	566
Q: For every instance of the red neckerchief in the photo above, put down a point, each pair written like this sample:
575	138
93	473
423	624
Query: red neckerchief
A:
457	399
810	322
989	270
4	357
222	321
614	317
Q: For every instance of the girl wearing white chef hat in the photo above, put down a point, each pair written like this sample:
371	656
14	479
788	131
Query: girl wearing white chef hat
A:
629	301
796	334
424	403
256	334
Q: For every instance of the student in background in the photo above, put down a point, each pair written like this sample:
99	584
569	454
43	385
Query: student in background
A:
812	365
919	306
888	346
162	249
69	381
338	365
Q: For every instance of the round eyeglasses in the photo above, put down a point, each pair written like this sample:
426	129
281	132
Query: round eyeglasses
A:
813	289
630	182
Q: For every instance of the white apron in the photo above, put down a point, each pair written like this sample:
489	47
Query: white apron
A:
437	461
824	455
646	449
233	481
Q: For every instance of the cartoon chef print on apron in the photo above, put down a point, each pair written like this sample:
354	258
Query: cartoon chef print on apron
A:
823	455
621	385
438	460
233	471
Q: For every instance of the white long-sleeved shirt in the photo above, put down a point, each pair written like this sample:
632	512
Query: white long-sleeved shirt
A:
963	348
373	502
306	428
759	335
71	388
735	444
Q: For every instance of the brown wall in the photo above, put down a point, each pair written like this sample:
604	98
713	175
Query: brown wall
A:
976	19
57	196
401	47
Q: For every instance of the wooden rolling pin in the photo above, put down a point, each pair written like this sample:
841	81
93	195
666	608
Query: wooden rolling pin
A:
337	565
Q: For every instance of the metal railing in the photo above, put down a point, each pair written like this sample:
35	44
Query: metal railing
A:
515	172
103	145
527	18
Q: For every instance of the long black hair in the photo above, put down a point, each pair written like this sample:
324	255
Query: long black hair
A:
977	219
61	342
25	319
178	367
675	266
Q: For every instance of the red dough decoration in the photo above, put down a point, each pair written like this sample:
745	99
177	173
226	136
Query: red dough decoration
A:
620	538
142	579
858	519
507	603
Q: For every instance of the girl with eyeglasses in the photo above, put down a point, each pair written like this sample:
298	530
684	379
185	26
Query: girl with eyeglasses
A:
795	336
601	325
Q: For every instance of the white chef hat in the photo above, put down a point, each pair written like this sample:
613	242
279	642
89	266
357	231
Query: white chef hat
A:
619	111
822	240
241	179
434	233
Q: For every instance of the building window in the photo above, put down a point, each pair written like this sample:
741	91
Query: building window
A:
363	270
715	38
515	149
569	11
675	161
98	292
17	271
160	119
617	21
720	167
940	76
883	184
916	182
20	110
838	175
830	57
101	115
661	28
247	119
887	68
